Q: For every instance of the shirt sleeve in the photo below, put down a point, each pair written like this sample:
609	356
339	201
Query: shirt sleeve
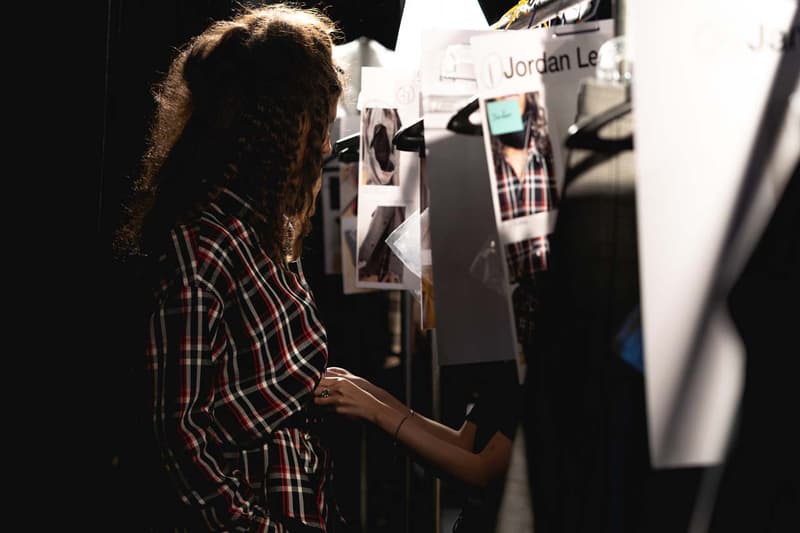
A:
183	346
495	410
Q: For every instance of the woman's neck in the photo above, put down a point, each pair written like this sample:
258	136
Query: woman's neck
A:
516	158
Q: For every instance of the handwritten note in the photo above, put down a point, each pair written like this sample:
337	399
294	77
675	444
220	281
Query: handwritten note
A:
504	116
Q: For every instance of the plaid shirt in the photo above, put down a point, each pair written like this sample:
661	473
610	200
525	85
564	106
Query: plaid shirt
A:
518	196
235	347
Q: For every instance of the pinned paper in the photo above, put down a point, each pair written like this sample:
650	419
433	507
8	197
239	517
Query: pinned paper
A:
504	116
351	56
405	243
525	80
421	15
725	57
388	184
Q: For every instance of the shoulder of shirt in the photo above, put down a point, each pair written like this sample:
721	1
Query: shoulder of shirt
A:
205	252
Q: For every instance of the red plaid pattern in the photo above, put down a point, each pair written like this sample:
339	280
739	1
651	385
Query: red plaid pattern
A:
533	192
235	347
526	257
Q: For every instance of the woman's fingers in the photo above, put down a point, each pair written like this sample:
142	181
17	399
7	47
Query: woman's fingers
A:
328	390
324	400
334	384
341	396
335	401
328	394
337	372
327	383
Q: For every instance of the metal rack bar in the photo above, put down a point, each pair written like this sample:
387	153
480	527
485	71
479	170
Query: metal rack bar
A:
546	9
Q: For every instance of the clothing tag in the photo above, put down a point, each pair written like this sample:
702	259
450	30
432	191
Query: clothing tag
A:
504	116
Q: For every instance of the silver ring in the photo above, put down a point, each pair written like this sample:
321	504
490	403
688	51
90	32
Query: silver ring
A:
325	393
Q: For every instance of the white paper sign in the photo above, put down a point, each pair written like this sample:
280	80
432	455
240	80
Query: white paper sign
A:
447	74
528	83
351	57
703	73
421	15
388	185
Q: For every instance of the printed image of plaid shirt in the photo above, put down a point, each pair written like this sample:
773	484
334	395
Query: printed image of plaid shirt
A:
533	192
235	348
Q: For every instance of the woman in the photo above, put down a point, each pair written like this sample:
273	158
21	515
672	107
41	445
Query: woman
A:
234	344
476	455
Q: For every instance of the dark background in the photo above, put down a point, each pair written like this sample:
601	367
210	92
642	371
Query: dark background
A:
129	45
135	42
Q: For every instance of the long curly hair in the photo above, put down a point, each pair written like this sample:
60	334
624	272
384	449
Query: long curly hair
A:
245	105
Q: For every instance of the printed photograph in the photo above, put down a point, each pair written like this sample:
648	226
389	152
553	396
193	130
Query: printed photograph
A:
522	155
348	246
376	261
379	157
348	189
526	257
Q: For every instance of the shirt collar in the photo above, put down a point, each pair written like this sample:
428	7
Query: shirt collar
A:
231	203
241	207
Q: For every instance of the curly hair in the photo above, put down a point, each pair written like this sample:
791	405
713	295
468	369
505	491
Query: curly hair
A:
245	105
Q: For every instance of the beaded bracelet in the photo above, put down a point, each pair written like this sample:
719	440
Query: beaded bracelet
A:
397	431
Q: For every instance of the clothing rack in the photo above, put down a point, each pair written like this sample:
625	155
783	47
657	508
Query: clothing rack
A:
546	9
620	11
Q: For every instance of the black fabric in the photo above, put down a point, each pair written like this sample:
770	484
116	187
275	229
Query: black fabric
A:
760	488
496	409
584	420
382	147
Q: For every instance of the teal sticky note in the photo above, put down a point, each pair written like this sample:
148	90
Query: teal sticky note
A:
504	116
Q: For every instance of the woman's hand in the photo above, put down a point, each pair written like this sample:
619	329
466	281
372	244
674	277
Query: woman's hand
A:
343	396
379	393
339	372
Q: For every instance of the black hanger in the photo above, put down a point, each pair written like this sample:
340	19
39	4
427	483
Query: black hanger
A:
460	123
347	148
411	138
330	162
584	133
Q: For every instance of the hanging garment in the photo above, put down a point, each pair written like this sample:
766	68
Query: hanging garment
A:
526	14
575	417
